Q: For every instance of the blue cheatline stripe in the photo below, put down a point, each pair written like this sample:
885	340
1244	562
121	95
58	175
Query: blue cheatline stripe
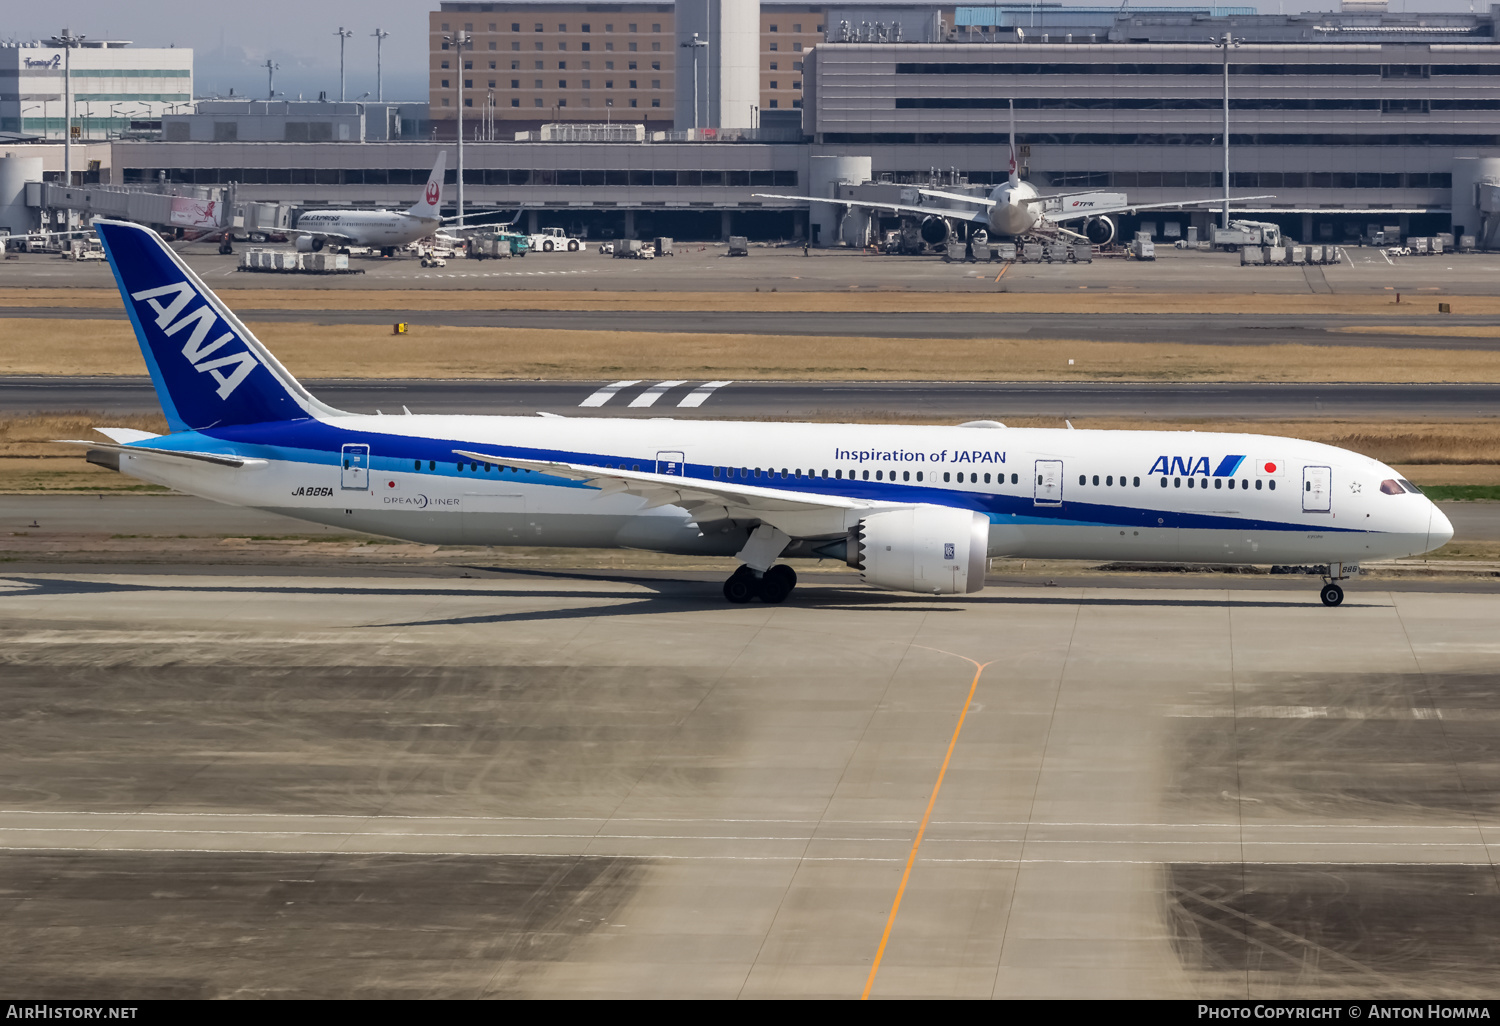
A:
1228	465
318	445
174	420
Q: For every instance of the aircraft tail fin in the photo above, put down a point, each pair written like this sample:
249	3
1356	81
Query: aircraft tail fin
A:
1015	170
208	369
431	203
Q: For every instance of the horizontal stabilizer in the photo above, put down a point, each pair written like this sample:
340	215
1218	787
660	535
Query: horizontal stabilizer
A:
218	459
125	435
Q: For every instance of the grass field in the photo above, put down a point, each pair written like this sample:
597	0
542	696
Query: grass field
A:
853	299
42	346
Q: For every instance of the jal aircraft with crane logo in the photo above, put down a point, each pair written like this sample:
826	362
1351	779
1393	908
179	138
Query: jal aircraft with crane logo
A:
385	230
1015	210
912	508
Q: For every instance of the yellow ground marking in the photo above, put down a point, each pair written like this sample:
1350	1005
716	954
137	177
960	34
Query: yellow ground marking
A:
911	856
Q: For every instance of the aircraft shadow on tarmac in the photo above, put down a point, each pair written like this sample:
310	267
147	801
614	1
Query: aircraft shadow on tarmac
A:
665	596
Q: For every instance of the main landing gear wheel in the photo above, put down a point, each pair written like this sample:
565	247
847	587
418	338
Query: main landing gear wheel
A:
777	584
772	587
1332	594
741	586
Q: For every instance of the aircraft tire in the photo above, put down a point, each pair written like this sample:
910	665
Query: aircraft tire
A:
546	247
740	587
572	245
1332	595
777	584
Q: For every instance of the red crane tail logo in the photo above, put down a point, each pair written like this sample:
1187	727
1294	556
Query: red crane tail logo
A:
432	193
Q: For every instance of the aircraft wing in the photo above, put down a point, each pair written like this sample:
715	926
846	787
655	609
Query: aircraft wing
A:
482	213
983	201
895	208
219	459
705	501
320	233
1130	208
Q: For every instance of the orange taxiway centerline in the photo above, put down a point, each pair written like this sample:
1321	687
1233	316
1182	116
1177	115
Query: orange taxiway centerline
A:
911	857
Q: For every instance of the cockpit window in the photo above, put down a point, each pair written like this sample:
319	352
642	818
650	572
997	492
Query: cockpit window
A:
1409	486
1390	487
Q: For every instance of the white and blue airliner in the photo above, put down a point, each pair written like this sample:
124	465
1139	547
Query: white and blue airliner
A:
916	509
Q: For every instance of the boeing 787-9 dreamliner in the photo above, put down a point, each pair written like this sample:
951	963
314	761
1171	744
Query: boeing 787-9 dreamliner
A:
915	509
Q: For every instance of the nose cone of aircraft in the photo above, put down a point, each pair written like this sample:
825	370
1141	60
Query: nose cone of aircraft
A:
1439	529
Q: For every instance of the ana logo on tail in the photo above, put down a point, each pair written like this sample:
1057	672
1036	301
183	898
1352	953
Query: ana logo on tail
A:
171	319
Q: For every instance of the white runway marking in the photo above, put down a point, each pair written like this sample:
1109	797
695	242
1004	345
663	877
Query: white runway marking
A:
655	392
696	396
608	392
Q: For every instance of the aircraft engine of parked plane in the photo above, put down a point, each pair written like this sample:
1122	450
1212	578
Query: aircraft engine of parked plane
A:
908	550
309	243
936	231
1100	230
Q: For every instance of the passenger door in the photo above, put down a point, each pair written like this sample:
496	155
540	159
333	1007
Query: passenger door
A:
1049	479
670	463
356	472
1317	489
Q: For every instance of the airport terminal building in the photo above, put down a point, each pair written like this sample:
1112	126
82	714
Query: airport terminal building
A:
1340	119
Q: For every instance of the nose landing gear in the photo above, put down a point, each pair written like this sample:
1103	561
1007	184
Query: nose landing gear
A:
771	587
1332	594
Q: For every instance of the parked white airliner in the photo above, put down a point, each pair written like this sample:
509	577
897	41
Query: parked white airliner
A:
913	508
1014	209
386	230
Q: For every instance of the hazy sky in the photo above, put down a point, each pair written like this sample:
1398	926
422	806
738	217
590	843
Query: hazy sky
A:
233	40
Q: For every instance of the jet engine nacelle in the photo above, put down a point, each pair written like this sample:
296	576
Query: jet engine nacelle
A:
935	231
934	549
1100	230
309	243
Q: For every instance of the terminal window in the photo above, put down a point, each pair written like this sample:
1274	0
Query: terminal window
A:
656	103
515	102
774	85
773	65
492	44
655	28
656	46
515	45
515	26
773	47
632	103
632	48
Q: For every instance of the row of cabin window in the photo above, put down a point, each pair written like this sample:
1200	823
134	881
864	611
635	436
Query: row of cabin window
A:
1109	481
880	475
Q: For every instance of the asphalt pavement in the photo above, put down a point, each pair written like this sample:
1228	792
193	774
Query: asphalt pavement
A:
1227	402
1193	329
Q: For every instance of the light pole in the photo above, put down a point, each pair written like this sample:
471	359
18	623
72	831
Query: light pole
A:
1226	43
270	67
460	41
343	34
695	45
379	86
67	40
